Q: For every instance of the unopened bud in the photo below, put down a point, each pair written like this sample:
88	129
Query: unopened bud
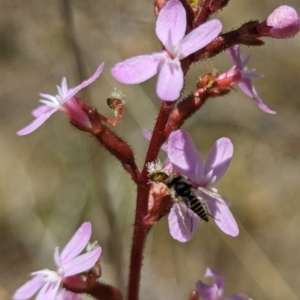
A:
282	23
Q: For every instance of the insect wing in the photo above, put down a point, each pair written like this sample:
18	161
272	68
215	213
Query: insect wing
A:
221	199
183	222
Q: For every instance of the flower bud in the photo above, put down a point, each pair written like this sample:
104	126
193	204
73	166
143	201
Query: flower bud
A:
282	23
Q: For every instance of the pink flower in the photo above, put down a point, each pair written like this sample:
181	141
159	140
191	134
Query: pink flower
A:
215	291
282	23
46	283
170	29
63	101
245	83
186	160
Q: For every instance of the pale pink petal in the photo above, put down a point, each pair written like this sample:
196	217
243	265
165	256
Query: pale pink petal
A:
28	289
183	222
64	84
244	61
72	92
207	292
218	278
147	134
171	24
184	155
77	243
222	216
199	38
219	158
43	109
234	55
136	69
52	99
56	257
247	87
36	123
81	263
170	81
48	291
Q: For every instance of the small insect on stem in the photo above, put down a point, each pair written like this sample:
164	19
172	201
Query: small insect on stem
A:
116	102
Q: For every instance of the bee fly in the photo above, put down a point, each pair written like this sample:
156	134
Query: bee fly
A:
181	188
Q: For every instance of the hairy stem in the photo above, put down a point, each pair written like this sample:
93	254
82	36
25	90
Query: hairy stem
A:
140	227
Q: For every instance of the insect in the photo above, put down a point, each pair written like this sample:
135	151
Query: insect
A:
182	189
116	102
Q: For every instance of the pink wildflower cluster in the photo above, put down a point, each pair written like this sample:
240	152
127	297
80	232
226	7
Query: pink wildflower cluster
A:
187	36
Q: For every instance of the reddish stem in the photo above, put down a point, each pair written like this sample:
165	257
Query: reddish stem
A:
140	228
138	242
99	290
158	137
204	14
183	111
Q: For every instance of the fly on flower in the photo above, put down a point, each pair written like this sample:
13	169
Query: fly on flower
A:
183	192
182	188
186	160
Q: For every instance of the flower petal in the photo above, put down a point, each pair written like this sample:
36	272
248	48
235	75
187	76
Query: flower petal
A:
207	292
48	291
170	81
184	155
183	222
72	92
64	84
43	109
136	69
35	124
147	134
81	263
219	158
234	55
247	87
199	38
218	279
77	243
222	216
171	24
28	289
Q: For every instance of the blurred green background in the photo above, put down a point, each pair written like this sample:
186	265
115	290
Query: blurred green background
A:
57	177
